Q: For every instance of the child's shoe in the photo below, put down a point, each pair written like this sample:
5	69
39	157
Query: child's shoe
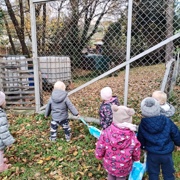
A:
51	139
67	140
5	160
4	167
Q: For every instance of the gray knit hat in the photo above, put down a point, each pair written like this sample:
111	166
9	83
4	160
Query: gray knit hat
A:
150	107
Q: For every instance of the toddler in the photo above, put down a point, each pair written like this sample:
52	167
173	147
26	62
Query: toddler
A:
6	139
158	135
118	145
166	108
105	111
58	106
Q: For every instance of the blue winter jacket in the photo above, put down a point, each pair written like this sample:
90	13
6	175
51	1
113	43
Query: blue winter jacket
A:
158	134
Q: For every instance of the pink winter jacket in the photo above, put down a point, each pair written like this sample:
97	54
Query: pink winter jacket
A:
119	148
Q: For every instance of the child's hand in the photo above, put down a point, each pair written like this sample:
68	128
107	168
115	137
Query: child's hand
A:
78	116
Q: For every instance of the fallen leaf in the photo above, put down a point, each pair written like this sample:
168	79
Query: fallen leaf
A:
40	161
75	153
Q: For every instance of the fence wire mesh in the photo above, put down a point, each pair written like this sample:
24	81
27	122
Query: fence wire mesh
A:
80	40
93	34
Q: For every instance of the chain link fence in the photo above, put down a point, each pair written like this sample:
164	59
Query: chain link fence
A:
87	41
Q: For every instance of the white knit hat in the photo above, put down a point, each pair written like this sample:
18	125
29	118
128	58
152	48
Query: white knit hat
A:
60	85
2	98
150	107
106	93
122	114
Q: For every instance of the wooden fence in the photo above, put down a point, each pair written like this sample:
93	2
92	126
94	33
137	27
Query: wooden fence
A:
17	82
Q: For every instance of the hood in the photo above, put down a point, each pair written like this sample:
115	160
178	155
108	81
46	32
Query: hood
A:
58	95
113	100
168	113
154	124
119	137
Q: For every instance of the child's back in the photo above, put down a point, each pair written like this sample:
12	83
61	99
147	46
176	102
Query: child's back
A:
118	145
105	111
157	135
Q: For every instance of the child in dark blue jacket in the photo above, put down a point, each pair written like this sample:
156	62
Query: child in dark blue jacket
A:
158	136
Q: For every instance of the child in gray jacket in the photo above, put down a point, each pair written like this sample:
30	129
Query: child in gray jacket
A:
6	139
58	106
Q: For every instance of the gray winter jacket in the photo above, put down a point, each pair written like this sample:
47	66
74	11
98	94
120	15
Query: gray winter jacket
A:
6	138
58	106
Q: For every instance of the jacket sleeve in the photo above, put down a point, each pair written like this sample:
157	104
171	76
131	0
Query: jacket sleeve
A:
175	134
48	109
100	148
137	152
71	107
140	137
5	135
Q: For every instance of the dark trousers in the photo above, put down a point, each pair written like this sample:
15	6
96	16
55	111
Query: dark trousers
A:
64	124
155	162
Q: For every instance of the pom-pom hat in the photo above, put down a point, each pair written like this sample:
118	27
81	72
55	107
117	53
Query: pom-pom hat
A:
2	98
122	114
150	107
106	93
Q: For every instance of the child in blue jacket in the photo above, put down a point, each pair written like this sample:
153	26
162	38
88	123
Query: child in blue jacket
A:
158	136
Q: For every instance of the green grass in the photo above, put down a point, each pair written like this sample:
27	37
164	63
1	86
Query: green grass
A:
34	157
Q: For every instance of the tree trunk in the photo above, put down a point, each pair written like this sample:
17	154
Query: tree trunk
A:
169	32
19	30
44	26
9	35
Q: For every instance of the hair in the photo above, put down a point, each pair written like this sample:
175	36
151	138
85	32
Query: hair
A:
160	96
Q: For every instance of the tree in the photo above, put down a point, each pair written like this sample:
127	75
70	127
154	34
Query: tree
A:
170	30
18	27
73	32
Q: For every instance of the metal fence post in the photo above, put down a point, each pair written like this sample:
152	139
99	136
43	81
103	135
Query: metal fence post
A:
128	50
34	55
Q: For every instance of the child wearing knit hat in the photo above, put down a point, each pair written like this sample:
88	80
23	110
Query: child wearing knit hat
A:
105	112
118	145
157	135
58	106
6	139
166	108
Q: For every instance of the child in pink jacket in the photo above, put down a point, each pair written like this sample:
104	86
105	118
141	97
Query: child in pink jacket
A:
118	145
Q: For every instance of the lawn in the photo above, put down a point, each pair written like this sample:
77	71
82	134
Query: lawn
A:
34	157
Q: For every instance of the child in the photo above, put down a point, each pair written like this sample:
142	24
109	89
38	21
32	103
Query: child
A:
105	111
6	139
58	106
118	145
166	109
157	135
